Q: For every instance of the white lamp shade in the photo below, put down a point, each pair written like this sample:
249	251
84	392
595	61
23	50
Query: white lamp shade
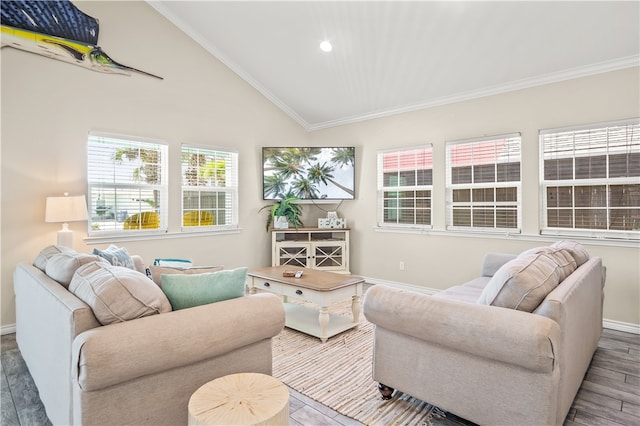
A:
66	209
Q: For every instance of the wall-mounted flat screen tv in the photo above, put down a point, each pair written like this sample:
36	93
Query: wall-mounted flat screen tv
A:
309	173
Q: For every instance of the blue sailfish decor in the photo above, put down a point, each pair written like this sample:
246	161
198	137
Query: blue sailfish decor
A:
58	30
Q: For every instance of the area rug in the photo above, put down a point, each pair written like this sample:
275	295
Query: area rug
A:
338	374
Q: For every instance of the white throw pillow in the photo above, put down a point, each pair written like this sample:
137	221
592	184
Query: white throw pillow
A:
62	266
117	294
522	283
46	253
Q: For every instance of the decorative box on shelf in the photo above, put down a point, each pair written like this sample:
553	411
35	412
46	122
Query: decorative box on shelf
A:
334	222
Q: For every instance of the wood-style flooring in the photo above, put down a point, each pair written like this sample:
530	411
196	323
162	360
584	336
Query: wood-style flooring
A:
609	395
610	392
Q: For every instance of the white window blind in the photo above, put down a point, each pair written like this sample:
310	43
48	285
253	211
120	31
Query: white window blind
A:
590	180
127	179
209	189
405	183
483	184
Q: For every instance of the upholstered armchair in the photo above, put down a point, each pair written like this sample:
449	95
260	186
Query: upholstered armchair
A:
198	218
144	220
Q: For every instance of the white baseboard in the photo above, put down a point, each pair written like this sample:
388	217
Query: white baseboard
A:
621	326
7	329
610	324
402	286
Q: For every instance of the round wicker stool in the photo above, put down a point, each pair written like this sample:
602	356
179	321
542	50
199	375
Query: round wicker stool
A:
240	399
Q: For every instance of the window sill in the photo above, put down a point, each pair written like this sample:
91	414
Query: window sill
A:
157	236
513	236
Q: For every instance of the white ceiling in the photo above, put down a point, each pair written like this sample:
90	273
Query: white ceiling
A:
393	56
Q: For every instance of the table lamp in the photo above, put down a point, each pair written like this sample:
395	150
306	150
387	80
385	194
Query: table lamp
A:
66	209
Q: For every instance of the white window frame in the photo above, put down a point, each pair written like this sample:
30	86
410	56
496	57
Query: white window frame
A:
561	144
227	186
109	181
513	154
427	149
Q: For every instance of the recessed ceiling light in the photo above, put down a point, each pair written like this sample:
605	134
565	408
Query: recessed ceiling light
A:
326	46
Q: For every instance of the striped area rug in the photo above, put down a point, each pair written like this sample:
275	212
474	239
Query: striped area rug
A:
338	375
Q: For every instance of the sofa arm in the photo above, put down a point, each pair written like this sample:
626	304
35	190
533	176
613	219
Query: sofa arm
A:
505	335
119	352
493	261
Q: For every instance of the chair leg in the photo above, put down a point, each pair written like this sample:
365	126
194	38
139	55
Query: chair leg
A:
385	391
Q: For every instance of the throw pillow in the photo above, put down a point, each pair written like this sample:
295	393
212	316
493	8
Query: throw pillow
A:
577	250
117	256
563	258
43	257
117	294
62	266
522	283
158	271
186	291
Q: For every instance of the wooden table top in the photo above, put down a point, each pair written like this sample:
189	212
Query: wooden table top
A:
240	399
312	279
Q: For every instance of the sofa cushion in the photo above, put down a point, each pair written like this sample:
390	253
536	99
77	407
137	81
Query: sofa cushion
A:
158	271
522	283
117	256
117	294
577	250
43	257
186	291
467	292
62	266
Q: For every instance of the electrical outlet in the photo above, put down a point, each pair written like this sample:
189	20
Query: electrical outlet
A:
402	265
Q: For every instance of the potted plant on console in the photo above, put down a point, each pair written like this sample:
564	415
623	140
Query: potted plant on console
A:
284	213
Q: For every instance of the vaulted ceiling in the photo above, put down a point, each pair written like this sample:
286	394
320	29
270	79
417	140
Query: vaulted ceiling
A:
395	56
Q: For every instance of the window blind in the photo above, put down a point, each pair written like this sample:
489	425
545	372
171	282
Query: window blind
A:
209	188
483	184
405	182
591	180
127	180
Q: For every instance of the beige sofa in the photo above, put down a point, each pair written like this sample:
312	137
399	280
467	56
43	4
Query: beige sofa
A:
489	364
137	372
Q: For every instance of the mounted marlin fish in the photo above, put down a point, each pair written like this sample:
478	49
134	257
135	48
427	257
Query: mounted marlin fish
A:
58	30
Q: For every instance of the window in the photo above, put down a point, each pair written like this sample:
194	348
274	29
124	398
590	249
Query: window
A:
405	184
591	180
209	189
483	184
127	180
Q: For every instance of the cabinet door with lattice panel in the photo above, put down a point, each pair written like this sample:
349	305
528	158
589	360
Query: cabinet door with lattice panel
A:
329	256
318	248
295	255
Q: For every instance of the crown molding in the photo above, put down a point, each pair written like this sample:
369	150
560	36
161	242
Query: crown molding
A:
599	68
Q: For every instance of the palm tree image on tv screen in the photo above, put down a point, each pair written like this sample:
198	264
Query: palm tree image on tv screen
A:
308	173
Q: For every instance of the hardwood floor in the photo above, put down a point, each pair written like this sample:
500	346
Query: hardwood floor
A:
609	395
610	392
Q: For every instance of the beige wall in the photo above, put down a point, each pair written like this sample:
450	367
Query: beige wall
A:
439	261
48	107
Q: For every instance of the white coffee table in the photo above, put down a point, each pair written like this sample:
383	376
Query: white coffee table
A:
318	287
